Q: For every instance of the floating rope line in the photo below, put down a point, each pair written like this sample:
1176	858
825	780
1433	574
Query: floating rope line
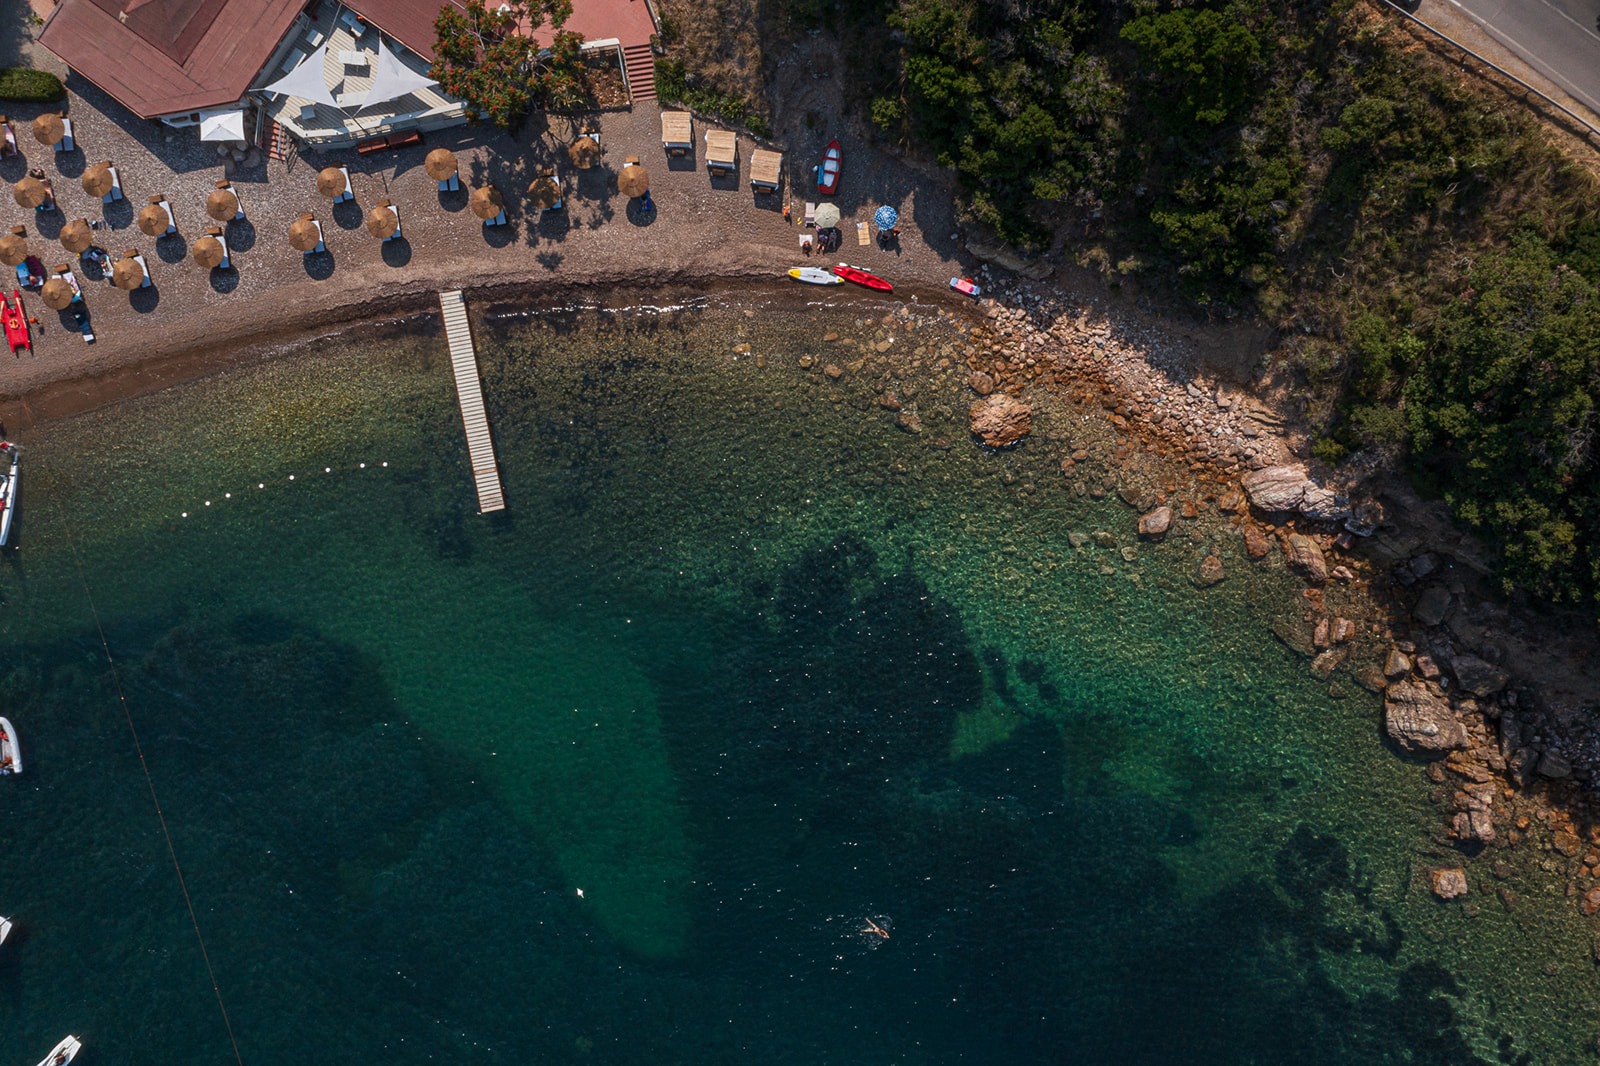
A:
262	485
127	714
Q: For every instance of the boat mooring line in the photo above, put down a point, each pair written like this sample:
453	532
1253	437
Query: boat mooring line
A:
260	486
127	714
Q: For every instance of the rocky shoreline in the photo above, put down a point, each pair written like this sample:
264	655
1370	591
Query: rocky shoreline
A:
1509	768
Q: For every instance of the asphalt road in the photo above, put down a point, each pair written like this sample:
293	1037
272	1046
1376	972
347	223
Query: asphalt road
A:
1556	37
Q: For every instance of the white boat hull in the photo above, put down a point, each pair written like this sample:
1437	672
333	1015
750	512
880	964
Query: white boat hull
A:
10	749
5	929
8	495
815	276
62	1053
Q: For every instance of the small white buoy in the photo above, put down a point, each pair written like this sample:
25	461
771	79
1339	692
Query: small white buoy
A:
580	893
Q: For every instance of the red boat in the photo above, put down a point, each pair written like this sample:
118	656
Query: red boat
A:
15	320
862	277
828	171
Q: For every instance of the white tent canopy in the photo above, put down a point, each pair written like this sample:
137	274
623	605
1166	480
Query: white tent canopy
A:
392	79
306	81
222	126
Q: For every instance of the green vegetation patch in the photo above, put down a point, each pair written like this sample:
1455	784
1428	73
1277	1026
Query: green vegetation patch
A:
30	86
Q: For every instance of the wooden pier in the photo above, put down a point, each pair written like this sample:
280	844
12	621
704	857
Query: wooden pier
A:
464	360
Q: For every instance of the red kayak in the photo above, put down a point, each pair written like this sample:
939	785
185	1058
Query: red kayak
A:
828	172
862	277
15	320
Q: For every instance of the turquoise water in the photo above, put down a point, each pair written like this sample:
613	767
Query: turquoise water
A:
747	664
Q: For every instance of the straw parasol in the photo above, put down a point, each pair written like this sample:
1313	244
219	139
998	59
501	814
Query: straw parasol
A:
331	182
544	193
223	205
486	202
29	192
76	236
49	129
585	152
440	164
13	248
97	180
303	235
58	294
381	222
127	274
208	252
153	221
827	216
634	179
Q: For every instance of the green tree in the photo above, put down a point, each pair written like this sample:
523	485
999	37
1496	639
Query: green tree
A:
488	57
1208	57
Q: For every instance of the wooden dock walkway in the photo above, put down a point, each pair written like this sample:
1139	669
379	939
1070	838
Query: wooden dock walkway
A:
464	360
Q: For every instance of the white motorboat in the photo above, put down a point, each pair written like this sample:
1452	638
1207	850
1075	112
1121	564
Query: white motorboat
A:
8	490
5	929
10	749
62	1053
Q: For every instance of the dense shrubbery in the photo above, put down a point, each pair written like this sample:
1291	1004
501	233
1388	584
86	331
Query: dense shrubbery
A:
30	86
673	86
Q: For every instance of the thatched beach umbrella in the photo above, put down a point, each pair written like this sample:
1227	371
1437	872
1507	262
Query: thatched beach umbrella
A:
97	180
304	235
58	294
331	182
440	164
382	222
153	221
486	202
29	192
585	152
76	236
545	192
223	205
127	273
208	252
634	179
49	129
13	247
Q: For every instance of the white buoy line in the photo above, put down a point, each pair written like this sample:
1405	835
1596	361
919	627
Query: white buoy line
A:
261	486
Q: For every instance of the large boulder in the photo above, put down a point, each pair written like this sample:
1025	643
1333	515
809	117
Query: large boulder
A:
1420	721
1482	679
1449	882
1290	488
1306	556
1000	421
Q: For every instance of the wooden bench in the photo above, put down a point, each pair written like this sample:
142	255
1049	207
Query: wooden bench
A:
384	143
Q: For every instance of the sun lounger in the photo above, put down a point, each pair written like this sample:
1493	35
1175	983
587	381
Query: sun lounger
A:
139	258
172	224
722	151
766	170
811	214
349	193
677	132
27	277
116	188
66	143
8	138
451	184
862	238
321	247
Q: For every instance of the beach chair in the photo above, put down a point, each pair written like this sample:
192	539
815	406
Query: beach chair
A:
138	257
160	200
766	170
349	193
116	187
389	206
224	183
677	132
811	214
8	138
321	245
66	143
722	152
451	184
30	273
222	239
862	237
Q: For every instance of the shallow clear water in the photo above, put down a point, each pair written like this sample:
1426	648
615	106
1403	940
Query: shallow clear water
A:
747	664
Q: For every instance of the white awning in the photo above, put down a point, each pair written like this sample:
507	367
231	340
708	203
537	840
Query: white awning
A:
222	126
306	81
392	79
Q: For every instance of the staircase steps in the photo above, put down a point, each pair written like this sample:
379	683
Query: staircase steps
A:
639	64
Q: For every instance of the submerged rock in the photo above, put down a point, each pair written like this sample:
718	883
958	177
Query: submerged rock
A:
1420	721
999	421
1210	571
1156	522
1448	882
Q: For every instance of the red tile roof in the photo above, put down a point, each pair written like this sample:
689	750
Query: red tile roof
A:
408	21
161	57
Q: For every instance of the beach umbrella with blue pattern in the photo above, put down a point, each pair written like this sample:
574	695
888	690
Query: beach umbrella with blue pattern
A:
885	217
